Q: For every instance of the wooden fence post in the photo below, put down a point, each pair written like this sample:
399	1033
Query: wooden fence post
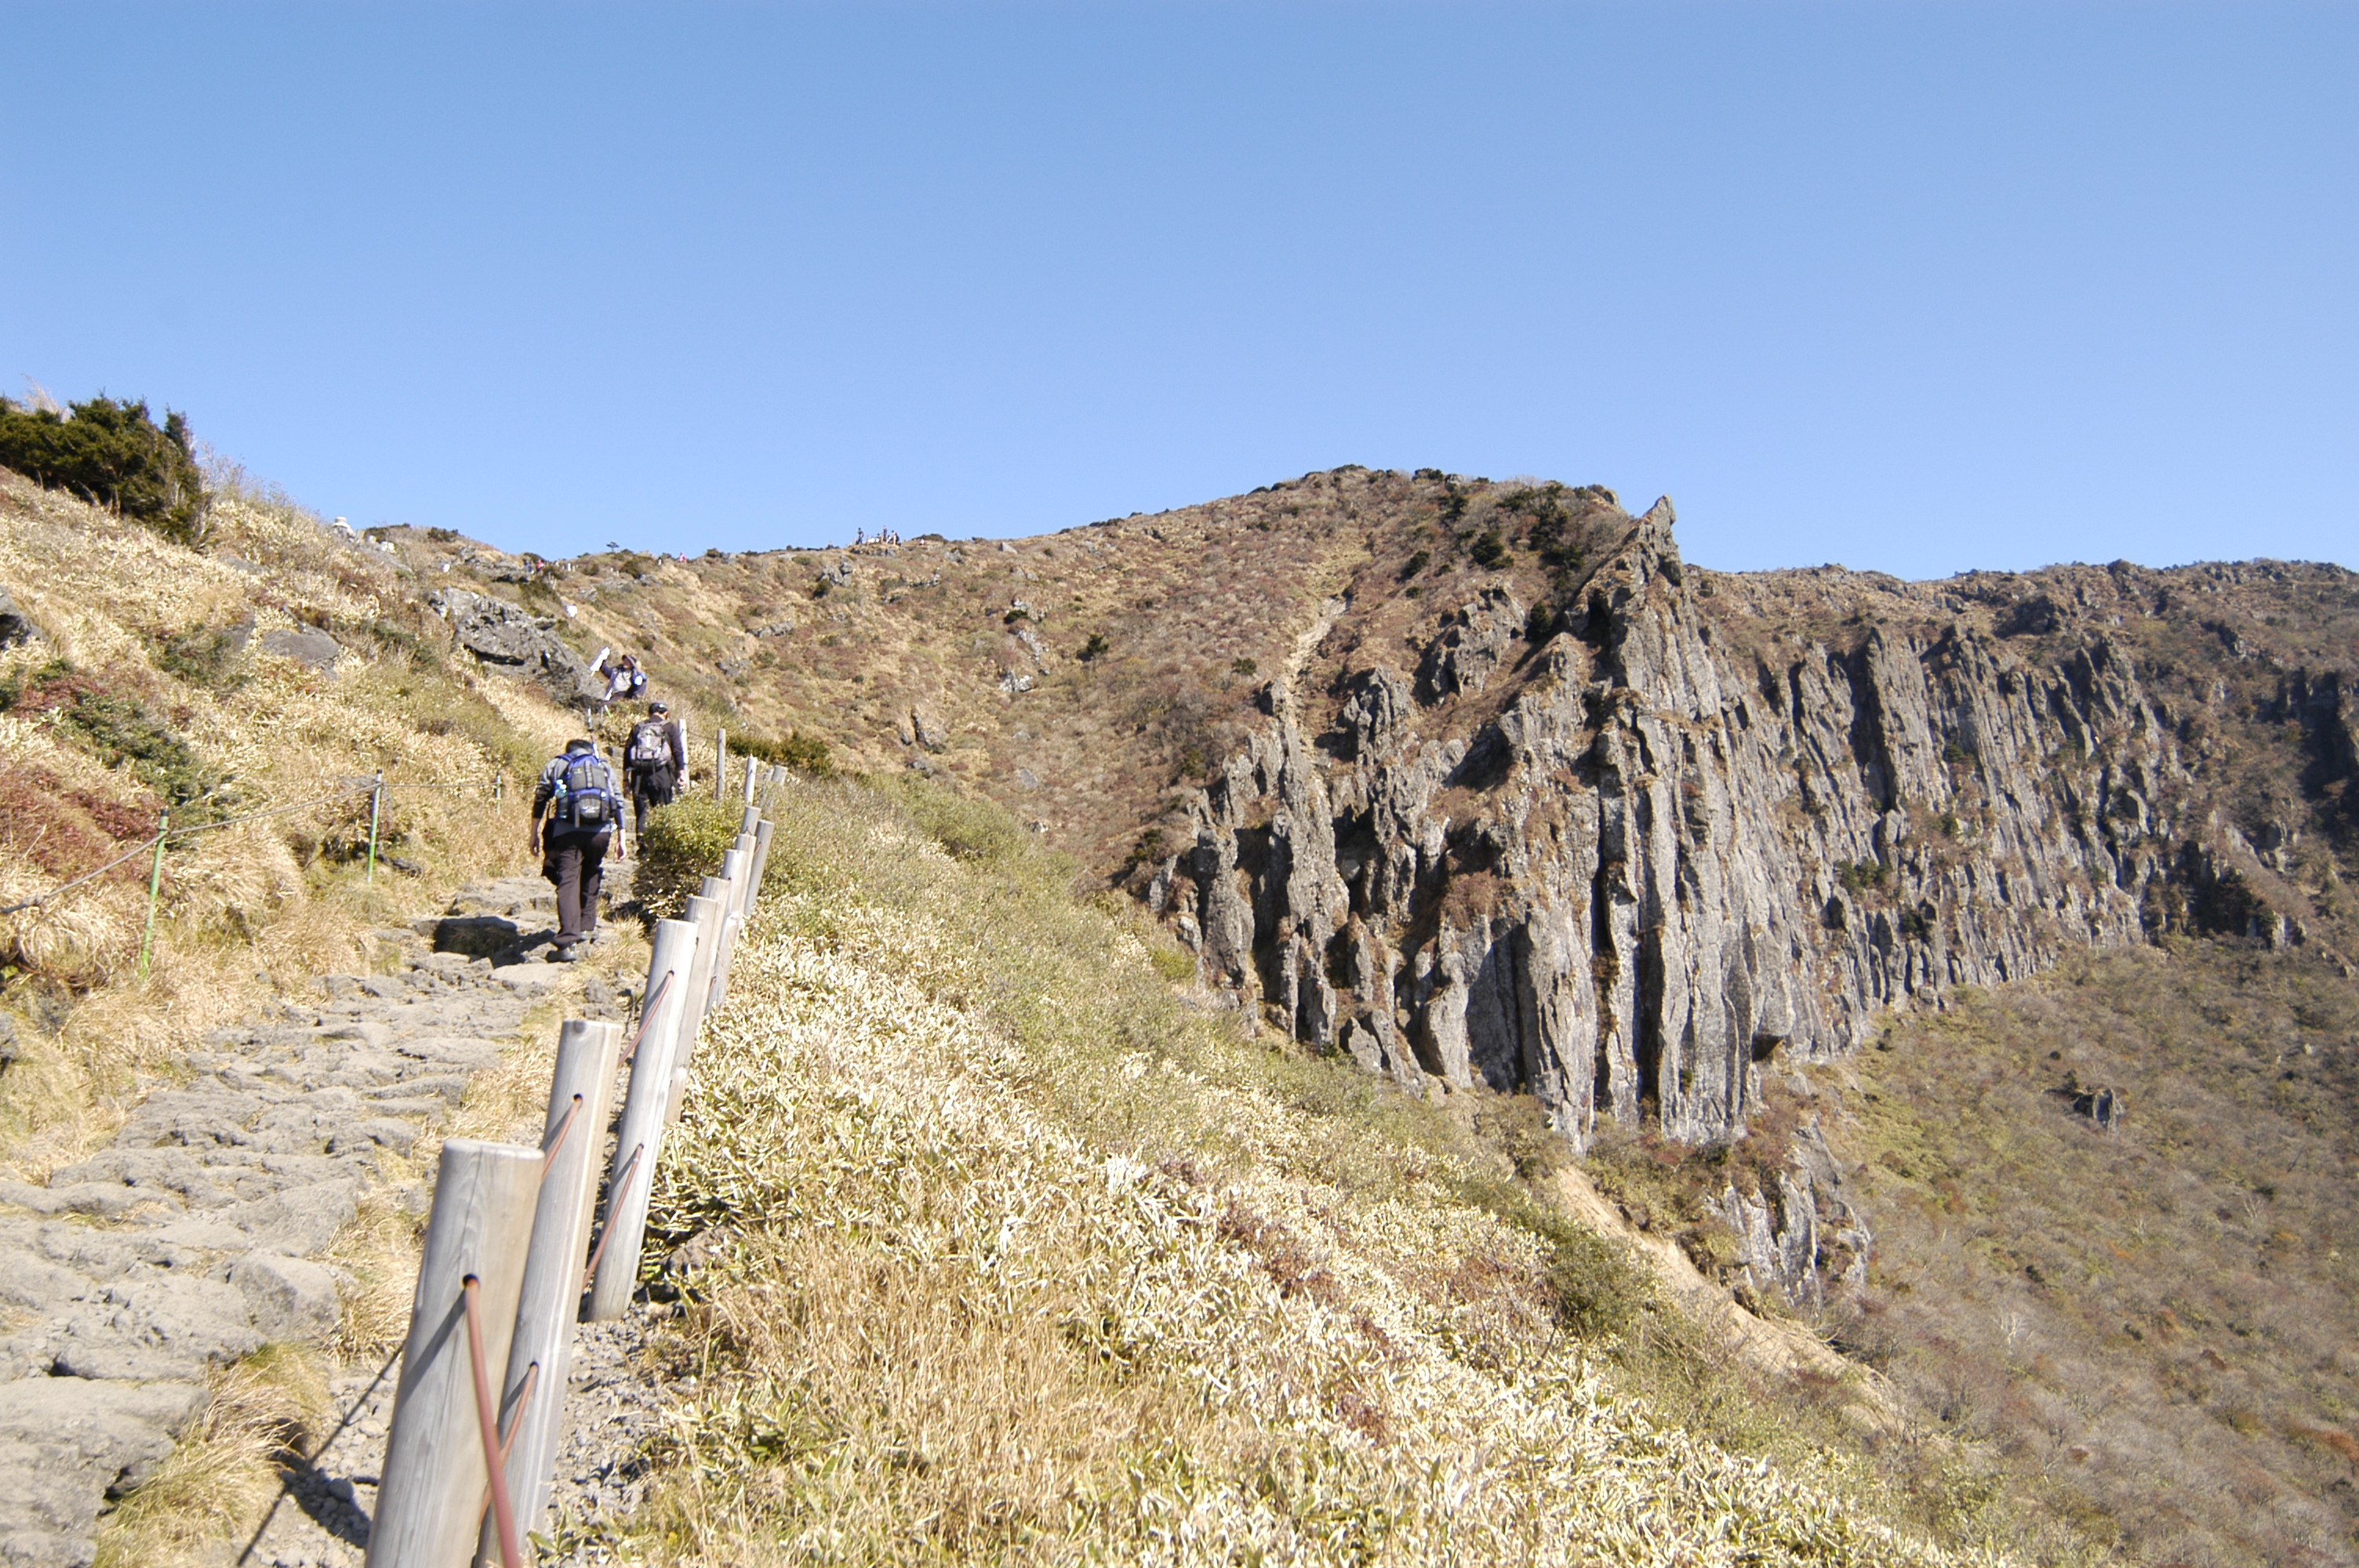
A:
721	763
751	764
741	877
435	1468
532	1394
730	927
708	909
762	831
708	912
639	1140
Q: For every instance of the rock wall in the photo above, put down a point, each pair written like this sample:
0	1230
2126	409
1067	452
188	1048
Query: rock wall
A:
1662	858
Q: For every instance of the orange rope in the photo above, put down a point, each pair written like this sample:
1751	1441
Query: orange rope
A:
614	1201
487	1418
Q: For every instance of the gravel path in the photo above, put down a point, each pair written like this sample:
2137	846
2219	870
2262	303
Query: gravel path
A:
196	1238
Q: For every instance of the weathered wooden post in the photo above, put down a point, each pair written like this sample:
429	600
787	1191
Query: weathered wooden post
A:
720	762
729	930
436	1466
708	910
532	1394
639	1140
752	765
742	875
762	831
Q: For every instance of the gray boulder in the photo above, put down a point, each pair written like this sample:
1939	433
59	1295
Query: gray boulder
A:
16	626
290	1298
475	936
308	646
516	643
1473	645
67	1446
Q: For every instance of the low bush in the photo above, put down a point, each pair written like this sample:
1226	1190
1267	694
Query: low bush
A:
804	753
682	846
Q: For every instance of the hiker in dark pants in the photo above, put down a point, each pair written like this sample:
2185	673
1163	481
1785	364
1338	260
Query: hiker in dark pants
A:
577	793
656	757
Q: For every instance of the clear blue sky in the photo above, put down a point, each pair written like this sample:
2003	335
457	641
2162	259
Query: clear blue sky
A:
1919	287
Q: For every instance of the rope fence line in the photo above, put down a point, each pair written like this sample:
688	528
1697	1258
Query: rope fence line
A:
484	1200
166	834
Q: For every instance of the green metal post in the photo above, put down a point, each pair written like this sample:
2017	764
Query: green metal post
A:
155	887
376	803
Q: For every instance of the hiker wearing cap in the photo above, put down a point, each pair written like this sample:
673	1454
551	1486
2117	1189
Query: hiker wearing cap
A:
577	795
656	758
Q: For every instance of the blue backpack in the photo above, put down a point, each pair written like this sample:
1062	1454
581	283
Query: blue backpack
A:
585	800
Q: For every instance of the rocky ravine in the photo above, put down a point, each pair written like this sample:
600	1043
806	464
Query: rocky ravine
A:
1665	860
194	1239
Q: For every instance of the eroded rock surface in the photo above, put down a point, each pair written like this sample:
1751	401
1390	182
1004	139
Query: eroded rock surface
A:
514	642
1616	858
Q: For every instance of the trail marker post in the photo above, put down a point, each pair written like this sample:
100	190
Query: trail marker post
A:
376	811
155	889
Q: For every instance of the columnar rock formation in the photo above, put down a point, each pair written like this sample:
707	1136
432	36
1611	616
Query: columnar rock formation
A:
1684	842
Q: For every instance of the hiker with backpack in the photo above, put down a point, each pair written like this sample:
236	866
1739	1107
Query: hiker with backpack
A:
577	793
656	758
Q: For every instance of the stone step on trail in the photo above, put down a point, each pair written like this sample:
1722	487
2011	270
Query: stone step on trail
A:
193	1239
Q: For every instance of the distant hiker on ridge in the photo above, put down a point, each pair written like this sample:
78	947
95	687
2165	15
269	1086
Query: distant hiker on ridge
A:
656	760
577	791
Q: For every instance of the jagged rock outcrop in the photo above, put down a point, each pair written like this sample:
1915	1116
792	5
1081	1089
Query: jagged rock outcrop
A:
1654	858
516	643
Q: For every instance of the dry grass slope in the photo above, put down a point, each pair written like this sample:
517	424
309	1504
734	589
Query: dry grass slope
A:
994	1250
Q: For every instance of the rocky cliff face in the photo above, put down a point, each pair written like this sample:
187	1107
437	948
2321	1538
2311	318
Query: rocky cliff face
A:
1680	840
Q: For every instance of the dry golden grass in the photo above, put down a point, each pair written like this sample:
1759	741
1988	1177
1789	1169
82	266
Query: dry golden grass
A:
248	912
225	1472
251	910
2153	1326
1018	1258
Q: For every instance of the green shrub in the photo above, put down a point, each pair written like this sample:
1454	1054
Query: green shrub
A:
804	753
1858	875
969	828
111	454
682	846
207	656
1416	563
1490	552
1095	646
121	730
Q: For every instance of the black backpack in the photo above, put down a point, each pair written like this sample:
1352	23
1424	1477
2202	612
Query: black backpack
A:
585	796
650	747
